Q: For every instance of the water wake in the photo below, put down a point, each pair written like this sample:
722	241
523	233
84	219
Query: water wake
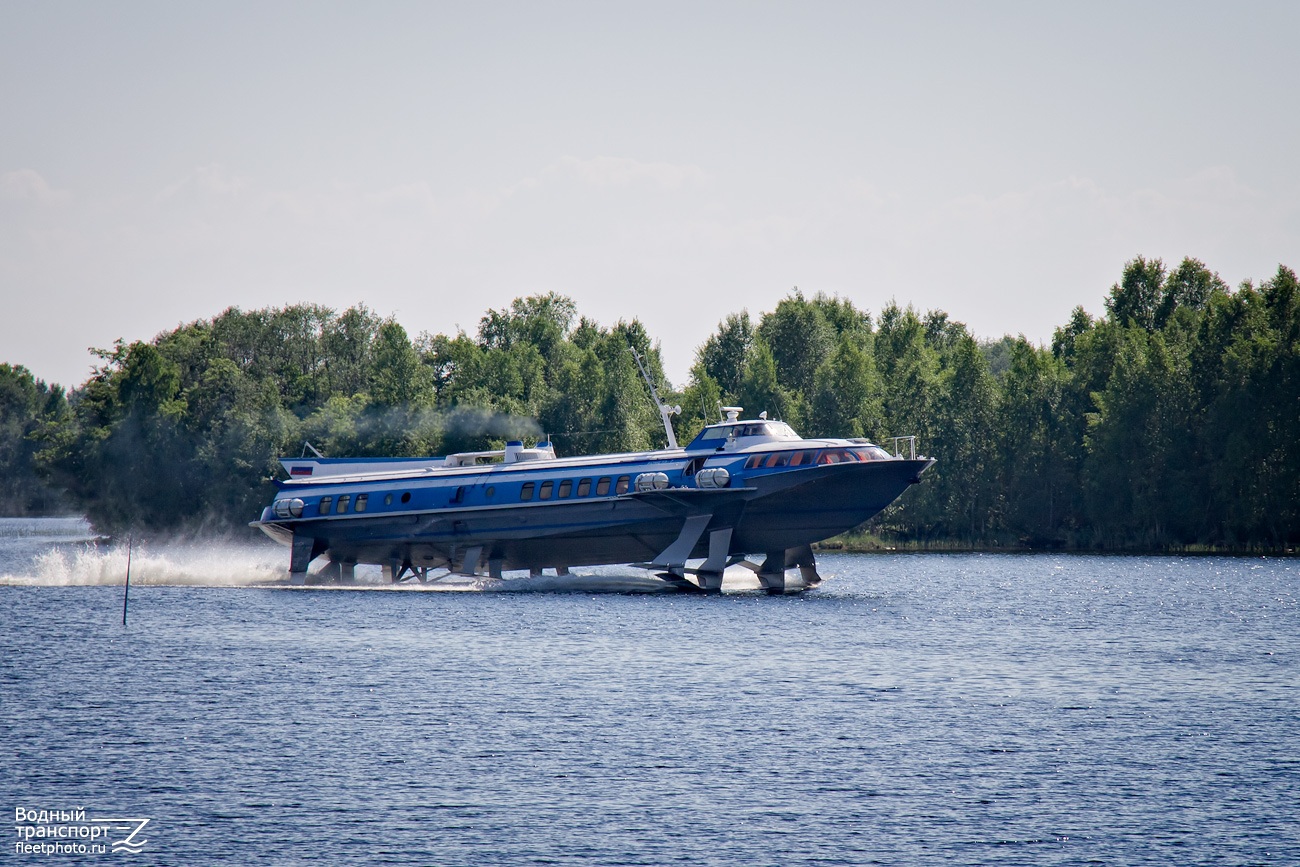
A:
57	562
208	565
595	580
602	582
232	565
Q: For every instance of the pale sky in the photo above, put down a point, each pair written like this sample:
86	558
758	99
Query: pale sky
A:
675	162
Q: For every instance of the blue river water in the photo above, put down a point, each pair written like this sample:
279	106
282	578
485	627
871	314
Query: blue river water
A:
917	709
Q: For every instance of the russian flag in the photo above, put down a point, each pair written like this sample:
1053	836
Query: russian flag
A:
300	471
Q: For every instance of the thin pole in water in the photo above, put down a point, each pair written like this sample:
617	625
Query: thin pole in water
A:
126	588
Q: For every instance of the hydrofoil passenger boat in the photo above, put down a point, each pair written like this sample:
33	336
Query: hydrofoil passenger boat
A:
741	488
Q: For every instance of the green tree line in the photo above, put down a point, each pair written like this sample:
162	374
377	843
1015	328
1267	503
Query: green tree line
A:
1171	421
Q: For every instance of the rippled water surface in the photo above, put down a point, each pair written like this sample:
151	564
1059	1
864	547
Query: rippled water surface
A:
918	709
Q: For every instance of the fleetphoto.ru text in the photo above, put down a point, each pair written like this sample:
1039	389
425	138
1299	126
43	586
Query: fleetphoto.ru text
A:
74	832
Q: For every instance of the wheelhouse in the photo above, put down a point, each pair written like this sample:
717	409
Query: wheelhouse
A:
732	434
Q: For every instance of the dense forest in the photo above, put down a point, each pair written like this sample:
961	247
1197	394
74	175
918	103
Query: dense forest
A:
1171	422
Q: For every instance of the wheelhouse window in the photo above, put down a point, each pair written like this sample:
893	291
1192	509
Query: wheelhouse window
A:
781	430
624	482
526	492
545	492
602	486
325	504
363	500
566	488
584	487
344	499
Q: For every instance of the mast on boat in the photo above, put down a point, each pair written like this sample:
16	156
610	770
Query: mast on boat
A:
665	411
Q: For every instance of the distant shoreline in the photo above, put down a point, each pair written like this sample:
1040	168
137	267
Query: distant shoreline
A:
865	543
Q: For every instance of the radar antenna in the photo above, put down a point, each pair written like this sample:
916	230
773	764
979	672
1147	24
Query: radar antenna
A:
665	411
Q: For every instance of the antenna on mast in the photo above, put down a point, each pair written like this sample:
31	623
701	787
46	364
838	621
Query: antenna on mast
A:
665	411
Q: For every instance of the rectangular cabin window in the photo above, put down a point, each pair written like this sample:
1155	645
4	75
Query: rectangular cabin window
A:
584	487
753	461
602	487
526	493
624	482
545	493
801	459
325	503
362	501
566	488
343	503
777	459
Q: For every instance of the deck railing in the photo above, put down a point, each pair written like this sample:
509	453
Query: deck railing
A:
900	443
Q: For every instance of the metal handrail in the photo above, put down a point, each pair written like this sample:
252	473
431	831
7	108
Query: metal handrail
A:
911	445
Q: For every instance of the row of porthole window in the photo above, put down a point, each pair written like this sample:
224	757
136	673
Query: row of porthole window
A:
548	490
567	488
360	504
